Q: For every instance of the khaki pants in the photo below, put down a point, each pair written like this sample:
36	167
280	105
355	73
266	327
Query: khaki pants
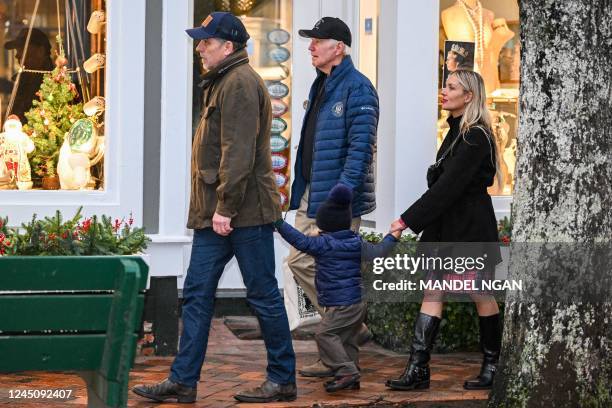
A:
337	338
302	265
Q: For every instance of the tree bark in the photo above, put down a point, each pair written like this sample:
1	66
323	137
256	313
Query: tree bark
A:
559	354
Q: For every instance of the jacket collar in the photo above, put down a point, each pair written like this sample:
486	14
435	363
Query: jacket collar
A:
338	72
341	234
454	122
233	60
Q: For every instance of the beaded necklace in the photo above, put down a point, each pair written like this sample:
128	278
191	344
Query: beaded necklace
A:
476	20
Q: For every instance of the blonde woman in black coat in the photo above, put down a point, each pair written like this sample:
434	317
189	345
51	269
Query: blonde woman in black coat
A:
457	208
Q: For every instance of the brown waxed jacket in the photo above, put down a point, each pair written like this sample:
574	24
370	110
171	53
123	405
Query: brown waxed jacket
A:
231	164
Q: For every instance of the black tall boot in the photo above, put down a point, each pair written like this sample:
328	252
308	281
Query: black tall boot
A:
416	373
490	343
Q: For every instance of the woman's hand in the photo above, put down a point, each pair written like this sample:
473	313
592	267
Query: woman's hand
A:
398	225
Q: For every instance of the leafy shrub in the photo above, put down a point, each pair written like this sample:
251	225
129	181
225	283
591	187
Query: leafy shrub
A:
53	236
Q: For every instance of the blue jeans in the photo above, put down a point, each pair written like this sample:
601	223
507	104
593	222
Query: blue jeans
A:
254	250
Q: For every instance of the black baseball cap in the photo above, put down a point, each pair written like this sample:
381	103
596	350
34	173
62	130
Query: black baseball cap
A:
220	25
37	37
329	28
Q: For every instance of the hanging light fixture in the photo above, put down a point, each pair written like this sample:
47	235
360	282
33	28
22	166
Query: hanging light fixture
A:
97	20
94	63
237	7
222	5
242	6
95	106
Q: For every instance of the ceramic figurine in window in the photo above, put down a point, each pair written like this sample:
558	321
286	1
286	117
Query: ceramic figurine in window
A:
15	145
82	149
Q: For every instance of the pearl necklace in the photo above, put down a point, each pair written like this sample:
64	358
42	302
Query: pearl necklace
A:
476	20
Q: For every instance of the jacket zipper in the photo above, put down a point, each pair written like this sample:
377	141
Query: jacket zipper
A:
311	166
313	149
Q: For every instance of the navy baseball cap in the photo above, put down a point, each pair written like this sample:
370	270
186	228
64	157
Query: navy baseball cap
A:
329	28
220	25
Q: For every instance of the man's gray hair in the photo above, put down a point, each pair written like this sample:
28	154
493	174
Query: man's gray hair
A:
347	49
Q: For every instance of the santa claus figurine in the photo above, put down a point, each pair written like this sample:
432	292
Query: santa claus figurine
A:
15	145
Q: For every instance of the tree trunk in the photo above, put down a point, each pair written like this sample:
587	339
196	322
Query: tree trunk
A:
559	354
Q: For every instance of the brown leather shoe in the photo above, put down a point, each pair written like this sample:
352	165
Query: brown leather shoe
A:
317	369
268	392
166	390
345	382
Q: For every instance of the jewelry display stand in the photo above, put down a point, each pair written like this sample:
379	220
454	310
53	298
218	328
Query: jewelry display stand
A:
469	21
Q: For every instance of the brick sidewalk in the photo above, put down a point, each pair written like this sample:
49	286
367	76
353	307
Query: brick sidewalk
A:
233	364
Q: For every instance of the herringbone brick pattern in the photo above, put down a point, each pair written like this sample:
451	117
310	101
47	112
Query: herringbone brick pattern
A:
233	364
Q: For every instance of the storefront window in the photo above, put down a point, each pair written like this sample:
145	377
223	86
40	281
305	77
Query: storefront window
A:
369	10
270	48
483	36
52	94
368	39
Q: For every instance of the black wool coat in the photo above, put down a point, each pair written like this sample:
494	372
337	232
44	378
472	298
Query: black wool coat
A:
457	207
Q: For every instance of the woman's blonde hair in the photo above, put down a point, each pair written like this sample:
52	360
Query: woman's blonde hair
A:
476	113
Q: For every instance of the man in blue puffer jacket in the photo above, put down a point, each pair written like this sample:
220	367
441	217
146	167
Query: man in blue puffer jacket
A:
338	253
336	146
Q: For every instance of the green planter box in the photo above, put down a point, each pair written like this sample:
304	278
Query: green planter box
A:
73	314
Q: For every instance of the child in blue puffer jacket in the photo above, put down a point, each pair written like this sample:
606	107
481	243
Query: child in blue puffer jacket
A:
338	252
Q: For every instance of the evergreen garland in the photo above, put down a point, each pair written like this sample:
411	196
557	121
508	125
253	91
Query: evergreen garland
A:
53	236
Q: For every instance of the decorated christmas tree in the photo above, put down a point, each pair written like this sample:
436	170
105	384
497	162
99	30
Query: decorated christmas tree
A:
51	117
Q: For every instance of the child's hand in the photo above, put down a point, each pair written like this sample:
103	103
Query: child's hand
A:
396	234
313	233
398	225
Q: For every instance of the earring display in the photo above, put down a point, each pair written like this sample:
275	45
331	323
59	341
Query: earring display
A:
279	125
279	108
278	36
277	89
281	180
278	143
279	54
279	162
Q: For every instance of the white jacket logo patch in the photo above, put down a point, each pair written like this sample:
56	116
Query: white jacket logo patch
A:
338	109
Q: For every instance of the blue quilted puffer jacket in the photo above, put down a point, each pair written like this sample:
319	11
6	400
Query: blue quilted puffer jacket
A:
344	143
338	257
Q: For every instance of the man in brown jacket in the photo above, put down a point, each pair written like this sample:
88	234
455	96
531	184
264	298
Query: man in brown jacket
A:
234	202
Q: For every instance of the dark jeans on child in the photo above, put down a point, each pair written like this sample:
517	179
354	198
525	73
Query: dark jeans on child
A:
336	338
